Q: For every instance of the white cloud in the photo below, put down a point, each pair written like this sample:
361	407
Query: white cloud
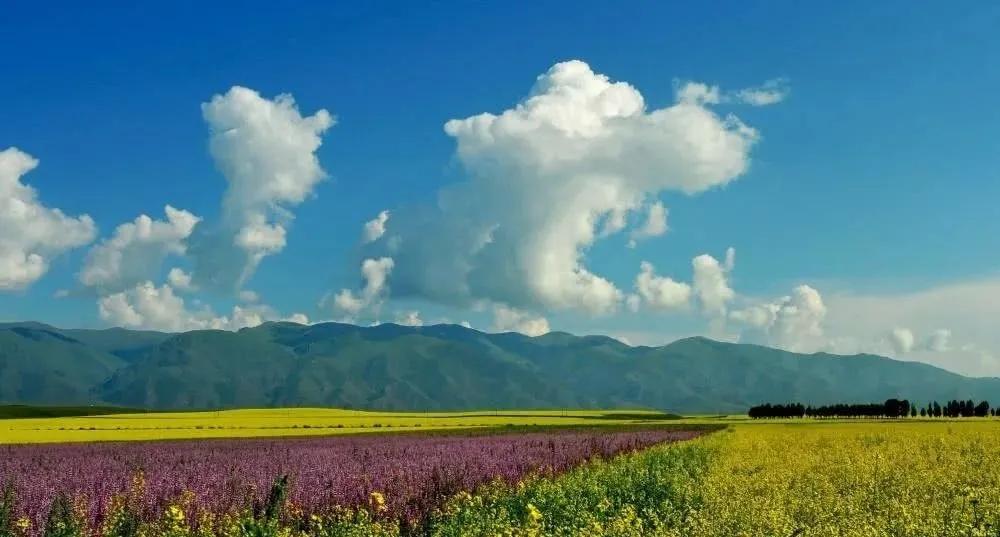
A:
548	177
375	273
938	341
149	307
465	324
299	318
697	93
267	152
798	324
771	92
654	226
345	302
711	283
31	233
659	292
902	340
792	322
375	228
242	317
180	280
136	250
409	318
969	309
507	319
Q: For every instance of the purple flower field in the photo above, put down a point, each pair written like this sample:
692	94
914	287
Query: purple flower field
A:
414	473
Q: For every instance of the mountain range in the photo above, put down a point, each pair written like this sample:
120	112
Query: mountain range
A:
442	367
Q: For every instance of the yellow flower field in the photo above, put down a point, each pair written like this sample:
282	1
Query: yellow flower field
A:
758	479
853	479
247	423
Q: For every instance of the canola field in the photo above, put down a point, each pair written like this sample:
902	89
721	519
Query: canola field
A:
865	479
254	423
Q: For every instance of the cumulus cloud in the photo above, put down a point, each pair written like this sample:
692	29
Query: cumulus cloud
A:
902	340
180	280
409	318
136	250
266	150
711	283
938	341
299	318
654	226
697	93
792	322
375	228
658	292
375	273
547	178
507	319
155	308
149	307
31	234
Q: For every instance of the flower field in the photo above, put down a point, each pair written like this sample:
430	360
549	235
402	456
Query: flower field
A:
281	422
906	478
393	477
862	479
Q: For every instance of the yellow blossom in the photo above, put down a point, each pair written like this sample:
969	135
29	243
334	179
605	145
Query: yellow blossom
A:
377	501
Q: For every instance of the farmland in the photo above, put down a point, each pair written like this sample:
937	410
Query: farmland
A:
584	473
252	423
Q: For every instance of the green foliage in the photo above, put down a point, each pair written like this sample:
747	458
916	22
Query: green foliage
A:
7	513
276	499
62	521
647	493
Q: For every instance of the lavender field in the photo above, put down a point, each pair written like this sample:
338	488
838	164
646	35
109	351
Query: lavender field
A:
400	477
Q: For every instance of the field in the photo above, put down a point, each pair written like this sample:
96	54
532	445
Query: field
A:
901	477
253	423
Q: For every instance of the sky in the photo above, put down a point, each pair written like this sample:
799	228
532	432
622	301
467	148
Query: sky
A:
815	177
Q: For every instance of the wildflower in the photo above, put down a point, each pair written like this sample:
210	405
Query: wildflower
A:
23	524
534	515
377	501
175	514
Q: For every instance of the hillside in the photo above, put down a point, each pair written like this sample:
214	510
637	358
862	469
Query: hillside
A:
393	367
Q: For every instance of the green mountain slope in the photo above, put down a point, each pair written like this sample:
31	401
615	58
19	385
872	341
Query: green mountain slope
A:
439	367
43	365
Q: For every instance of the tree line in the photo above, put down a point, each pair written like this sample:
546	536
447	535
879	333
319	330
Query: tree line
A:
891	408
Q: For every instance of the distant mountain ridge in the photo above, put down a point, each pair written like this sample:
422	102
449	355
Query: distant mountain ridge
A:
446	367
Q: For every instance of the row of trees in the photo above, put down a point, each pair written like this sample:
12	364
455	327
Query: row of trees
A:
891	408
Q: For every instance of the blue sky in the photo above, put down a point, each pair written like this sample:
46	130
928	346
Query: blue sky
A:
873	181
